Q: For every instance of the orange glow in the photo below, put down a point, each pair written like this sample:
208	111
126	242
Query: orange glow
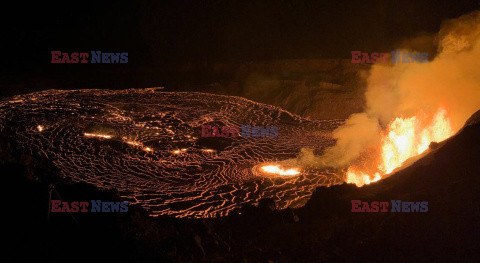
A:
405	138
134	143
360	178
40	128
137	144
148	149
104	136
275	169
179	151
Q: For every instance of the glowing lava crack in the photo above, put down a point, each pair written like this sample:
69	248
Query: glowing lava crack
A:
277	170
147	145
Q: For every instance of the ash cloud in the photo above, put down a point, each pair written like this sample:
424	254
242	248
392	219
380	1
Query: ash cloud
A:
450	80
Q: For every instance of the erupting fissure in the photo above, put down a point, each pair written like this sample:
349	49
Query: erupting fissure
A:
404	138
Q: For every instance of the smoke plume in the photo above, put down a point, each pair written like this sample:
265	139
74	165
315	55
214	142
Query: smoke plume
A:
451	80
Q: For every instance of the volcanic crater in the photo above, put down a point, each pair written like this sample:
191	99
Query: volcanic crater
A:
147	144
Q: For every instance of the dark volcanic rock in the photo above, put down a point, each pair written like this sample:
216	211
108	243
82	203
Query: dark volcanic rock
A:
323	230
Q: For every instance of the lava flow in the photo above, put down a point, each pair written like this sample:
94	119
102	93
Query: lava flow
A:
404	138
147	145
277	170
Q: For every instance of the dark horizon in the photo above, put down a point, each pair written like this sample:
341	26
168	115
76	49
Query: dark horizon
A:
159	34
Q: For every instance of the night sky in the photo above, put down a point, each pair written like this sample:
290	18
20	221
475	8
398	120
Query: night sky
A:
158	33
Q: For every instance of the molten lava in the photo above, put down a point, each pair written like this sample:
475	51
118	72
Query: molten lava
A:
103	136
277	170
404	138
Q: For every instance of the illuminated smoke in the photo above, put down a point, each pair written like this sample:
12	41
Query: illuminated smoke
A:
448	83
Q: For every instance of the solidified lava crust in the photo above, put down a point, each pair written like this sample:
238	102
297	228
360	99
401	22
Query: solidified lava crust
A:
147	144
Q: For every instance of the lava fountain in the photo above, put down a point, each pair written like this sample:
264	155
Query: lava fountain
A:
416	103
404	138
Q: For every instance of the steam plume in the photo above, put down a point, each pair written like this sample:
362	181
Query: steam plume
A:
451	80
